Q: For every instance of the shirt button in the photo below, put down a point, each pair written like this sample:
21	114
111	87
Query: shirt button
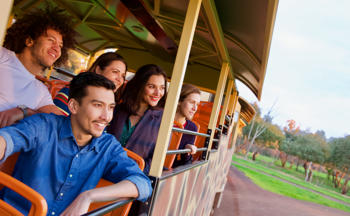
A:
70	175
76	155
61	194
53	213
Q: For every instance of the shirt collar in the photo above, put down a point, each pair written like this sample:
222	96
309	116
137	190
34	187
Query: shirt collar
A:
66	128
67	132
94	143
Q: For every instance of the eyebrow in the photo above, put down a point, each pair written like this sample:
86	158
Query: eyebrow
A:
154	84
98	101
51	36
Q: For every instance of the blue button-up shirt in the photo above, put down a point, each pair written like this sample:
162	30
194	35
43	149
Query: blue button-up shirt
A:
52	163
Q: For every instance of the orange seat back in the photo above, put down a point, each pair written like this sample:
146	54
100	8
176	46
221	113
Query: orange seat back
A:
53	85
39	205
173	145
123	210
202	118
9	165
56	86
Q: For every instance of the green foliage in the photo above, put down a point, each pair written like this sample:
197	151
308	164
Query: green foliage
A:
272	134
308	147
340	153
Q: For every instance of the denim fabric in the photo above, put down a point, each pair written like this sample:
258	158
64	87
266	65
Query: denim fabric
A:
52	164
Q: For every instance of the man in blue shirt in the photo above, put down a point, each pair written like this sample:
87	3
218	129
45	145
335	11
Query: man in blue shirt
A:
63	158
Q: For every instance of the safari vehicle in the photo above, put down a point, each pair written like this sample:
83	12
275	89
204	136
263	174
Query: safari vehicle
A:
207	43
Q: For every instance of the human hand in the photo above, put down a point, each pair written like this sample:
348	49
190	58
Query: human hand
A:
8	117
79	206
191	147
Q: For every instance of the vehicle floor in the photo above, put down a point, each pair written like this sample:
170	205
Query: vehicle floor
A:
244	198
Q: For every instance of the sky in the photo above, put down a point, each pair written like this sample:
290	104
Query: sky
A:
308	71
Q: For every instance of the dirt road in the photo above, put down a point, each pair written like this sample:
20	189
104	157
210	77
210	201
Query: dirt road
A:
243	198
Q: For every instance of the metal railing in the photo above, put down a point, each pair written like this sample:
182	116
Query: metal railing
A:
184	131
183	151
175	129
108	208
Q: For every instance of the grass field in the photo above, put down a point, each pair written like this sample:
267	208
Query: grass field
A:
279	187
319	178
291	178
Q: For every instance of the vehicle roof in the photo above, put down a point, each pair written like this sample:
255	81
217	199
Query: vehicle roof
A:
149	32
247	111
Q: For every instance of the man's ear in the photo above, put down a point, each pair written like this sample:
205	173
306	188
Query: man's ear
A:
98	70
29	42
73	106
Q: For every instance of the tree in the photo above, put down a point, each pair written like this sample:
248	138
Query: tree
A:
257	127
340	157
272	134
286	146
311	149
254	128
261	130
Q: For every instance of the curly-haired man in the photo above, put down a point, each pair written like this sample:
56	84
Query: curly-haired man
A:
33	43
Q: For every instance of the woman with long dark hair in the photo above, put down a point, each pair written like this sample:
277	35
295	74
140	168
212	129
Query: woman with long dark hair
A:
136	120
110	65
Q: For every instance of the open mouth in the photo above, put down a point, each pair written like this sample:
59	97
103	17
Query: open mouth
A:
154	99
52	55
100	125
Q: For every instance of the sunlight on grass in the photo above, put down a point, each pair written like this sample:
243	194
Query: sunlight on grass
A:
290	176
279	187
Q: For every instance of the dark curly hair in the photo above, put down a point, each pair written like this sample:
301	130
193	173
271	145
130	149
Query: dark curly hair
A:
36	23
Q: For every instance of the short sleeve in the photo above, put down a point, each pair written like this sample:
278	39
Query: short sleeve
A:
46	98
4	54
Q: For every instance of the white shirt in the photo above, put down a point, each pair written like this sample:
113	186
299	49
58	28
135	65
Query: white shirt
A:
18	86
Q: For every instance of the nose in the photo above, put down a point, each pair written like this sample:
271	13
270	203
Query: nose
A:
120	78
195	107
56	47
105	114
109	113
156	92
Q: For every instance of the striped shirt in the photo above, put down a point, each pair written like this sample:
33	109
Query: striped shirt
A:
61	100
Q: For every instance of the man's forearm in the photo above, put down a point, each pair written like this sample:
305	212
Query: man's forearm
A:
123	189
80	205
50	109
2	147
